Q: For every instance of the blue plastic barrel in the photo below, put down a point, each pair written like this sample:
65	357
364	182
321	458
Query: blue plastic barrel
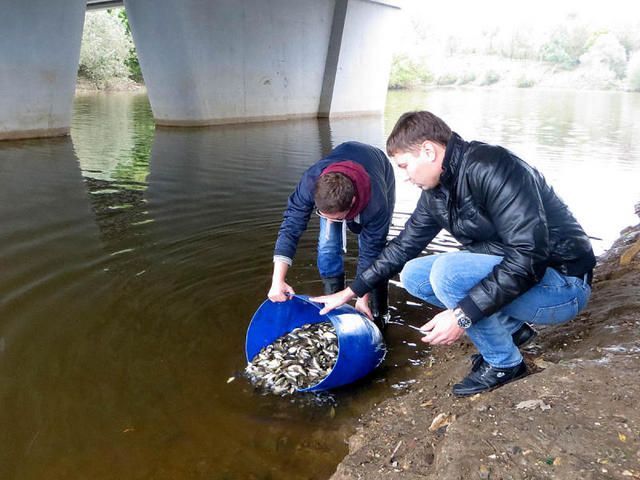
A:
361	347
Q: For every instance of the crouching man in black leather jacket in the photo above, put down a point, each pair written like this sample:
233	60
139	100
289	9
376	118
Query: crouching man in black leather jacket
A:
524	259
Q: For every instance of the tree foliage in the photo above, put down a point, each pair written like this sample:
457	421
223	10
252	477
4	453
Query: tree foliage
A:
565	46
135	72
105	48
606	52
633	72
108	53
406	73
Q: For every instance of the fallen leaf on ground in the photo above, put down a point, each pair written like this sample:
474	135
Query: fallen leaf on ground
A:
441	420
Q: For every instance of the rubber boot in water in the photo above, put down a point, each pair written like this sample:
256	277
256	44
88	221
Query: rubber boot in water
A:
333	284
379	303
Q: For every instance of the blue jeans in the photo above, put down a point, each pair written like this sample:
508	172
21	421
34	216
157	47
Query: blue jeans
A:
330	255
445	279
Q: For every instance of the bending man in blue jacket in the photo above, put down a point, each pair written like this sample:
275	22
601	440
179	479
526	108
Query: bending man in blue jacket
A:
525	258
353	187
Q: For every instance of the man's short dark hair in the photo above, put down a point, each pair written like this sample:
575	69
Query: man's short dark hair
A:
413	128
334	193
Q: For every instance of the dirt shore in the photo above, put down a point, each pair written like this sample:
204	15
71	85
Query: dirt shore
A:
575	417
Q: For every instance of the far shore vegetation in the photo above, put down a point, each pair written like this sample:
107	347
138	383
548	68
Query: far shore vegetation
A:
563	46
569	52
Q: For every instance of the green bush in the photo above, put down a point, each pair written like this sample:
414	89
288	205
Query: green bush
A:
565	46
490	77
524	81
633	73
407	73
466	77
554	52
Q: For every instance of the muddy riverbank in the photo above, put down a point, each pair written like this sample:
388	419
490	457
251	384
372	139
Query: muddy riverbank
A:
574	417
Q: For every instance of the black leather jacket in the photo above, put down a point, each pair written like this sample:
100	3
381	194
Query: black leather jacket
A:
492	202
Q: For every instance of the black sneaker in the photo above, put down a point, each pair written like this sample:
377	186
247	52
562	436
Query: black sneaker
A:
486	377
521	337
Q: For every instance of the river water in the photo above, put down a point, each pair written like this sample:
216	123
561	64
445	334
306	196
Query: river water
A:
132	259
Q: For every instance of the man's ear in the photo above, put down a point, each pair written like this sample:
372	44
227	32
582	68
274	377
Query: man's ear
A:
353	201
429	149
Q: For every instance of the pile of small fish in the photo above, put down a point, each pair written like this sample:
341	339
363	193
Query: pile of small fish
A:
296	360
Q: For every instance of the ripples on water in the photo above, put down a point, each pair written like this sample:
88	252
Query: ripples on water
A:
132	259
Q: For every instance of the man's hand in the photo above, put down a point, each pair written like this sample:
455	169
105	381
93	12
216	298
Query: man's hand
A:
362	305
442	329
334	301
280	292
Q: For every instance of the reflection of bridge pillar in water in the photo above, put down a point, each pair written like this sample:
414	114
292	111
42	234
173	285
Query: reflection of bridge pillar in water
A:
227	180
366	129
46	228
222	190
49	256
237	170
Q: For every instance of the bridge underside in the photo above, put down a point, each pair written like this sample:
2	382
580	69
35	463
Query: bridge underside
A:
205	63
101	4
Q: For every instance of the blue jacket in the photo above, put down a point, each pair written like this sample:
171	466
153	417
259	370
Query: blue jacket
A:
373	222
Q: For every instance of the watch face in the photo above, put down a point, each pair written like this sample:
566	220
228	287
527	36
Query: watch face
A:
464	322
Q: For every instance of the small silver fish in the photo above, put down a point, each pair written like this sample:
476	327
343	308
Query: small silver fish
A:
297	360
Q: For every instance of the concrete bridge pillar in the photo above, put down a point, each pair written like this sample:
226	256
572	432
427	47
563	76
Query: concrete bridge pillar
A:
39	53
230	61
356	76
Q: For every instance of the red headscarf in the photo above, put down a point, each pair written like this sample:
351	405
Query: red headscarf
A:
361	183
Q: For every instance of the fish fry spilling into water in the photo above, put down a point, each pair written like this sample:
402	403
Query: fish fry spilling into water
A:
297	360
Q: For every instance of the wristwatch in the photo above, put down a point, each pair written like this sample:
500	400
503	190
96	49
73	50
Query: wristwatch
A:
461	318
